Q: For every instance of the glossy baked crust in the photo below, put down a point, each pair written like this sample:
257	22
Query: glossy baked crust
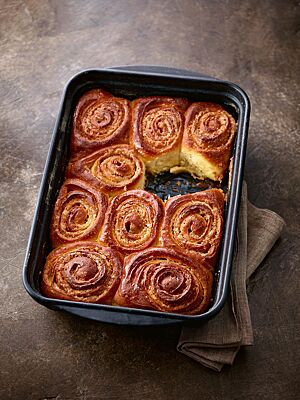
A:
163	280
119	244
82	271
207	140
133	221
99	120
193	224
111	170
157	128
78	213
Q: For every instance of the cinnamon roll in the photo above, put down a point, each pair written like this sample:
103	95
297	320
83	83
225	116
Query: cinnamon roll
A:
99	120
78	213
157	130
111	170
207	141
163	280
133	221
193	224
82	271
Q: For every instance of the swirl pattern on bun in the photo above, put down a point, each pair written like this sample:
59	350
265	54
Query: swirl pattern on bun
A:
157	130
193	224
133	221
112	170
78	213
207	140
82	271
99	120
163	280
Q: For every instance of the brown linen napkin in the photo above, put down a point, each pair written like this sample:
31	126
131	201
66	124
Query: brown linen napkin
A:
216	342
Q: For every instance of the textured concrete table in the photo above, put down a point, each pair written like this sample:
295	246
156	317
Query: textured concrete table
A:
48	355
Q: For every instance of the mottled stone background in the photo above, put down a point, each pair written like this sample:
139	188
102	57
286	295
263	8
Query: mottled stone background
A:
48	355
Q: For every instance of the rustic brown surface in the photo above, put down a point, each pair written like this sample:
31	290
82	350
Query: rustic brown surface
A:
48	355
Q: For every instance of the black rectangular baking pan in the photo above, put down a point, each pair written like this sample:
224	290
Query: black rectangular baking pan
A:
133	82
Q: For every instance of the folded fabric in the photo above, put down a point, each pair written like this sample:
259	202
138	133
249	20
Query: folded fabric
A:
217	341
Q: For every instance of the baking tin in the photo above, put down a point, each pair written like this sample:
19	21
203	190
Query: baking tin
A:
132	82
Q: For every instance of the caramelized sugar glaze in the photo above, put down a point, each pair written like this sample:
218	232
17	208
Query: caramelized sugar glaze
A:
116	243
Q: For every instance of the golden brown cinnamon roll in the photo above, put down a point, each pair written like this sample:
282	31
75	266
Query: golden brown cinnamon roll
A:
207	141
112	170
99	120
82	271
157	130
78	213
133	221
163	280
193	224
